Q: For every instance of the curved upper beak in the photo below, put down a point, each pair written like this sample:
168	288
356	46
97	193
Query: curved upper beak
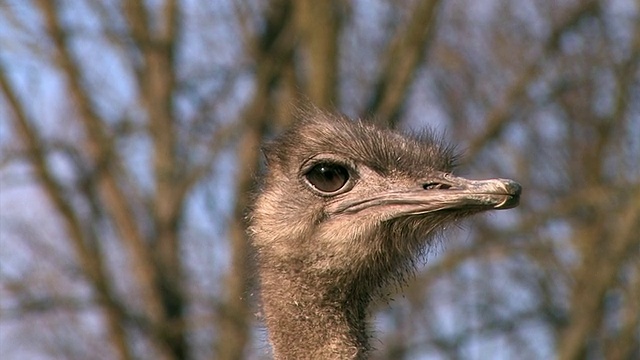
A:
493	193
446	193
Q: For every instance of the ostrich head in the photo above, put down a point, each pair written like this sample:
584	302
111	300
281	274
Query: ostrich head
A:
346	207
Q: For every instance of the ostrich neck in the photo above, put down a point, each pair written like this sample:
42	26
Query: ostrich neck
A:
307	318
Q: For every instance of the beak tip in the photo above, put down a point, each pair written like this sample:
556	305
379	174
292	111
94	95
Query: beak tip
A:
512	198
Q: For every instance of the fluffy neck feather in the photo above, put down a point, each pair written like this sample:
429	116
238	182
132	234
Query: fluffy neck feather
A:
309	317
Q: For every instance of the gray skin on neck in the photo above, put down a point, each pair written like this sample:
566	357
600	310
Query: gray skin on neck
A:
323	255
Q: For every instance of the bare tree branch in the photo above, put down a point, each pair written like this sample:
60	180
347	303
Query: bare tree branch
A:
500	115
88	257
589	293
100	149
320	26
402	58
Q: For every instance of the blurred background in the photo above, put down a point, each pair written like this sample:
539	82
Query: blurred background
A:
129	144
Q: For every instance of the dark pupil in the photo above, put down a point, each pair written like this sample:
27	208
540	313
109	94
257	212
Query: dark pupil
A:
328	177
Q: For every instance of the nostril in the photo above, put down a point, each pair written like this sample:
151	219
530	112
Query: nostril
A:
436	186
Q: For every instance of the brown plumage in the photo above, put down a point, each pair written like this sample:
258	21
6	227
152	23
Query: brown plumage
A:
346	207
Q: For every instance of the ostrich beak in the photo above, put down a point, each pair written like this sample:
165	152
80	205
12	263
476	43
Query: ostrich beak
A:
495	194
447	192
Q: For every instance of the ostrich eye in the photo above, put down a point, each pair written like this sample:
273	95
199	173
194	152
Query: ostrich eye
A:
327	177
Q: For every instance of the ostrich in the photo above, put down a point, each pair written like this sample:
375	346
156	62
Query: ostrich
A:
344	209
